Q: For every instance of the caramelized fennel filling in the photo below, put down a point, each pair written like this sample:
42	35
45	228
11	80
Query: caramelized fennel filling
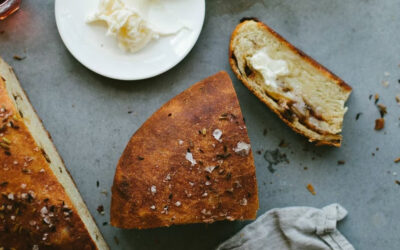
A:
287	106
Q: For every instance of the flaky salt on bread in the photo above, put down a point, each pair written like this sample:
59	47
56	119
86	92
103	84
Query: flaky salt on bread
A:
304	94
190	162
40	206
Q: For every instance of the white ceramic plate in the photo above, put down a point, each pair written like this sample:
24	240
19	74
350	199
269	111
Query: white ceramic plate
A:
89	44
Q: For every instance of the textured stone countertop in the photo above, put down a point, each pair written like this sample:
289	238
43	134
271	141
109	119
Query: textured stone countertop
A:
91	118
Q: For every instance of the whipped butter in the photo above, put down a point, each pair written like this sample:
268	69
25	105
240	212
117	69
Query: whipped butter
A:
269	68
135	23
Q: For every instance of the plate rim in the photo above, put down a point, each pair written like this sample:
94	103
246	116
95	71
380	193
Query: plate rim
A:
128	78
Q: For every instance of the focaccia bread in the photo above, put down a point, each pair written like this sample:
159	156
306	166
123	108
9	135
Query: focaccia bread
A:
304	94
190	162
40	206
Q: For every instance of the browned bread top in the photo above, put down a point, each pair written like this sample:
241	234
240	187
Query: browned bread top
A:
35	210
190	162
304	94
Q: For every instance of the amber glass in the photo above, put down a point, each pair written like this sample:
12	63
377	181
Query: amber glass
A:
7	7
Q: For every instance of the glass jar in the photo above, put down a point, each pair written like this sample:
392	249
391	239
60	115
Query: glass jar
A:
7	7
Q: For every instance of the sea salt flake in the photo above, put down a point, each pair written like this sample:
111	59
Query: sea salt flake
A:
44	211
10	196
153	189
46	220
190	158
242	148
209	169
217	134
243	202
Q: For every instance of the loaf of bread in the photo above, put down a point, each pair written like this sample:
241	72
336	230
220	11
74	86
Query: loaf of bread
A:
304	94
190	162
40	206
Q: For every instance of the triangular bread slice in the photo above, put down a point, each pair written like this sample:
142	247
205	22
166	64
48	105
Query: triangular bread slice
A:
190	162
40	206
304	94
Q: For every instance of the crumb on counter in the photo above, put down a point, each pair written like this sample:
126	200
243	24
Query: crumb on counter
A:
311	189
379	124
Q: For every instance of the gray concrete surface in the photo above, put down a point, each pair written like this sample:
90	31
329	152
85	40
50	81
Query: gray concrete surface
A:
88	117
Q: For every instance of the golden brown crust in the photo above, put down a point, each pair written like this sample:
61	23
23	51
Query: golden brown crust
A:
331	140
184	192
34	209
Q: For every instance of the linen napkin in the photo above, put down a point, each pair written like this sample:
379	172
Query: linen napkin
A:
297	228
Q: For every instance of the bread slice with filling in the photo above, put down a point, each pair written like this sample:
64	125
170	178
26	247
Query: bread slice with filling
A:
40	206
304	94
190	162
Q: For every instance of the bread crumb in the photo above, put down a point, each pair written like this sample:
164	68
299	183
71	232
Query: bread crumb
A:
116	240
379	124
382	109
398	98
376	97
178	203
311	189
100	209
283	144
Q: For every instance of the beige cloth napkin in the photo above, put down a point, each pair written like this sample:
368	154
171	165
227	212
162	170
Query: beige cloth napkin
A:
297	228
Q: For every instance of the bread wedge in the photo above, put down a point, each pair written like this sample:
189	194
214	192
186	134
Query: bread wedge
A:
190	162
304	94
40	206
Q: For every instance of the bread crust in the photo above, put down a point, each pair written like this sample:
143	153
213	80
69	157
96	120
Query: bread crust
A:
220	185
34	207
329	139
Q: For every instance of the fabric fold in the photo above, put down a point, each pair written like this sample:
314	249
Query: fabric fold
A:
300	228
